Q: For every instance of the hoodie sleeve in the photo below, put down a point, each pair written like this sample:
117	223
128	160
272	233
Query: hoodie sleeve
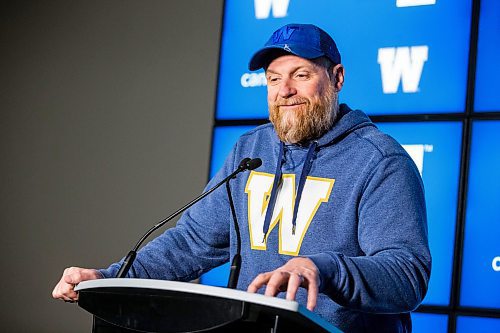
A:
393	274
198	243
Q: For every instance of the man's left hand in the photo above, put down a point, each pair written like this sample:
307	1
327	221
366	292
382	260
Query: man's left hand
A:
297	272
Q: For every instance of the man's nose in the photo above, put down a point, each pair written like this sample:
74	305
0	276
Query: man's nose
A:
287	89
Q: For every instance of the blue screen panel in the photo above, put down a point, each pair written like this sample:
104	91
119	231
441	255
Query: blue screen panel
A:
476	324
435	148
426	322
410	59
488	60
219	276
481	258
223	141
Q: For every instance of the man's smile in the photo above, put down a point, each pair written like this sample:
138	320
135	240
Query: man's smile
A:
291	105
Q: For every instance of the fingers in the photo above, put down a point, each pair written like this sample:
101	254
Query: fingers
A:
295	281
75	275
65	288
312	290
65	291
277	282
259	282
297	272
311	281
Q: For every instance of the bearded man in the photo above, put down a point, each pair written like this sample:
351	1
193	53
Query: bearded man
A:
335	217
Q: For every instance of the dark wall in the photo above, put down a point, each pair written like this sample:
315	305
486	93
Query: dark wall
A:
105	117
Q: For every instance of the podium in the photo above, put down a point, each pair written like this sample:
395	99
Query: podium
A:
139	305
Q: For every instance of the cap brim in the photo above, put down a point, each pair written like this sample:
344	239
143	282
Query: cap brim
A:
265	55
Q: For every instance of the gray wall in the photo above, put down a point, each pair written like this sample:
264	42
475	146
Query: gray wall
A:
106	110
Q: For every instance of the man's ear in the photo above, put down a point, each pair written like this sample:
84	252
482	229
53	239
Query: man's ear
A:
337	75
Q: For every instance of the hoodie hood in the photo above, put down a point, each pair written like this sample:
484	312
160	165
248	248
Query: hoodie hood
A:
348	121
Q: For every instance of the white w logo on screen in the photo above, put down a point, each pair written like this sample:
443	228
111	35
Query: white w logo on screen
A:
259	185
412	3
402	64
263	8
416	152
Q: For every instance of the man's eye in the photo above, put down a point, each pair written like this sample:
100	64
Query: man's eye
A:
302	75
273	79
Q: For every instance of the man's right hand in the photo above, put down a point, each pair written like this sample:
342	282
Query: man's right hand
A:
65	289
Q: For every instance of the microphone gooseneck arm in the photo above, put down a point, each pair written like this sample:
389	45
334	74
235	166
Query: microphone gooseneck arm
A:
245	164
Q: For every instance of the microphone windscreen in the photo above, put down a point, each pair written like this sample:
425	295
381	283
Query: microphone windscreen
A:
254	163
244	163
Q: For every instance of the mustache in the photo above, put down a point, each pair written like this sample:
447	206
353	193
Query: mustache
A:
291	101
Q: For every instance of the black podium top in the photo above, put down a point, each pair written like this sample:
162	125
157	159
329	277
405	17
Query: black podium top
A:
166	306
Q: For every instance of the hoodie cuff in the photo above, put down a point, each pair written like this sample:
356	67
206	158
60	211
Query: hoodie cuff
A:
110	272
328	268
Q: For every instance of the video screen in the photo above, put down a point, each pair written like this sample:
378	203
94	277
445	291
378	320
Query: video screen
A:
429	322
477	324
488	59
481	258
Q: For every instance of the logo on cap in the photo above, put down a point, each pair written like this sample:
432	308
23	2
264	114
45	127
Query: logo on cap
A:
283	34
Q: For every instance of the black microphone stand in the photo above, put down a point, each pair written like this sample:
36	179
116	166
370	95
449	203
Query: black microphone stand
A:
234	272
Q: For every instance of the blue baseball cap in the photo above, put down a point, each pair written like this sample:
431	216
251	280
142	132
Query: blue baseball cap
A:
303	40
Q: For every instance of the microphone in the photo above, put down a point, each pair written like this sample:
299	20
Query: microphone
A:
245	164
253	163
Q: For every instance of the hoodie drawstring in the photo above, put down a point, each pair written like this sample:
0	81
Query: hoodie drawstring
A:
303	176
272	198
277	179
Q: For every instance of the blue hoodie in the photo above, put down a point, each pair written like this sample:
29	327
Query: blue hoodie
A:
352	201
